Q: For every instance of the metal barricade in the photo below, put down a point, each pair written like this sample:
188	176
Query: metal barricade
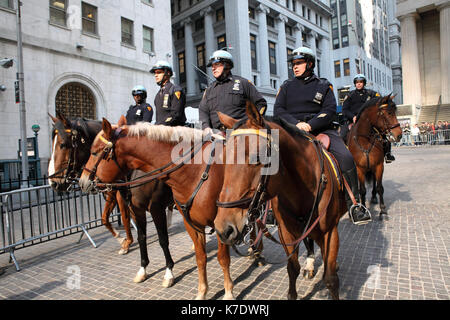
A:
439	137
35	215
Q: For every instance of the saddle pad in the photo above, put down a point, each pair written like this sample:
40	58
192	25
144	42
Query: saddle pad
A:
335	166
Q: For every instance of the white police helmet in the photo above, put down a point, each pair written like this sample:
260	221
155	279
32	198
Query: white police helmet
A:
221	56
162	65
303	53
360	77
139	90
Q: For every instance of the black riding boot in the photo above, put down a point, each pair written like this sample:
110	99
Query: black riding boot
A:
358	213
387	151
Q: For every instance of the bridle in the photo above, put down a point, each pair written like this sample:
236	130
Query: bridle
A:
69	172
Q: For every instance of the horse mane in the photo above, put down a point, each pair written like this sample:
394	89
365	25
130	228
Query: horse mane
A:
391	105
163	133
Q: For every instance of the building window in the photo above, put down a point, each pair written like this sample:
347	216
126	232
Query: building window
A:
127	31
57	12
221	42
346	67
272	58
180	33
8	4
199	24
288	30
344	41
147	40
201	61
270	21
289	64
148	2
318	67
75	100
251	13
181	67
220	14
337	69
253	51
309	14
89	18
303	11
335	43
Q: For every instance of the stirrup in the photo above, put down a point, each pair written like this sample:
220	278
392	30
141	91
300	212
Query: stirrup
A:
363	209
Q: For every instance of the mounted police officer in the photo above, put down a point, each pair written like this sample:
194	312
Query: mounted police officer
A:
170	101
228	94
352	105
308	102
141	111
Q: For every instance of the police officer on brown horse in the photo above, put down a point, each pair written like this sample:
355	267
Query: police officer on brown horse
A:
170	101
352	106
308	102
228	94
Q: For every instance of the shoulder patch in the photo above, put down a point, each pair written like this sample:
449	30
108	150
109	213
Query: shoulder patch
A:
322	115
377	94
331	87
149	108
178	94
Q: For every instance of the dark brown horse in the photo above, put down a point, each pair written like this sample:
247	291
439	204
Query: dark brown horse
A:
305	191
365	142
165	150
71	143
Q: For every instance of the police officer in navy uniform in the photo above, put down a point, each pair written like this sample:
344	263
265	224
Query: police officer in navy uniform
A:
141	111
170	101
228	94
308	102
352	105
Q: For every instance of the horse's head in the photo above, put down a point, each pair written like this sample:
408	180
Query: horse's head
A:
68	153
382	117
103	164
248	153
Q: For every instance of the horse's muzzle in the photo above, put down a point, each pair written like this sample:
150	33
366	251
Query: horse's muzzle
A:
87	185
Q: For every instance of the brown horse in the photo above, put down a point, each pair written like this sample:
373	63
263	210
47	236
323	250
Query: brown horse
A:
197	184
71	143
365	142
305	191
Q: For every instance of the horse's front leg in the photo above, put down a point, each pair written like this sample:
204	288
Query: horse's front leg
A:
158	213
308	270
125	214
223	255
107	210
380	190
330	248
362	185
141	223
199	240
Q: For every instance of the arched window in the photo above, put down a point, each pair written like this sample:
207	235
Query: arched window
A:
75	100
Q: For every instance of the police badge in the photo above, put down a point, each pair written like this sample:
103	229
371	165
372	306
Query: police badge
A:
236	84
166	101
318	98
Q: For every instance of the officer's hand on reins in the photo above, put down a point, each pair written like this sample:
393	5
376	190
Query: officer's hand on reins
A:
304	126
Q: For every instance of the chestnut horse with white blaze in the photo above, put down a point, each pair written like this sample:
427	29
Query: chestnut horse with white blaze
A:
306	194
195	177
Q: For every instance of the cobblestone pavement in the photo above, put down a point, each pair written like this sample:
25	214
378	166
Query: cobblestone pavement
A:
406	257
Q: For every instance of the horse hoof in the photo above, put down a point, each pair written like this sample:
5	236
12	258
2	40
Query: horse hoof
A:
228	296
308	274
193	247
374	200
292	296
123	251
200	297
167	283
261	261
141	276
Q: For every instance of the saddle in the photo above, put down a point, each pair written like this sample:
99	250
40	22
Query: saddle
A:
324	140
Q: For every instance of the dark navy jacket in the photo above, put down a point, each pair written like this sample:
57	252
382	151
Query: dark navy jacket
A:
308	100
140	112
354	101
170	102
228	96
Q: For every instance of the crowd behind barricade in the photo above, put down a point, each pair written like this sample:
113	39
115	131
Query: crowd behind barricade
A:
425	133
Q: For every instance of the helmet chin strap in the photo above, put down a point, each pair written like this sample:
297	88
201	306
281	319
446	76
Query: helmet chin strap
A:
307	73
163	79
225	73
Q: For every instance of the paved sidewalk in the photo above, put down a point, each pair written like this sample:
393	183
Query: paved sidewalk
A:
407	257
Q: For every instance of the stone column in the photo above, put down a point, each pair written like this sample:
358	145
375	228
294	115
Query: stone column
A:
189	56
282	51
210	45
313	37
444	21
412	91
326	63
298	35
237	28
264	64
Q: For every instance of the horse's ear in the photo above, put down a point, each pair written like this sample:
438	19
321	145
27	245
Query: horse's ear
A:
106	126
122	121
392	96
227	121
53	118
253	114
63	119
